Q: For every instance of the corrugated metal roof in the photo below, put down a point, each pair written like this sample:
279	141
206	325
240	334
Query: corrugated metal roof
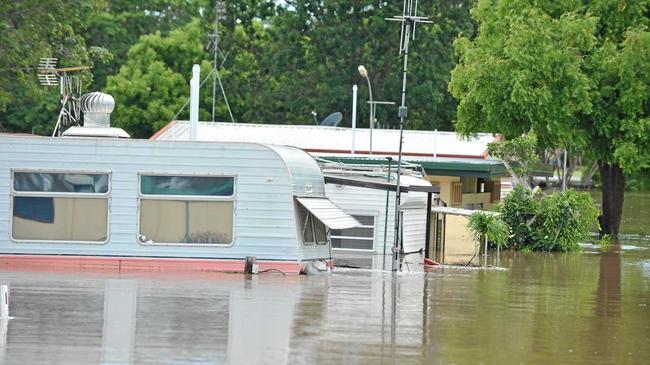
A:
328	140
328	213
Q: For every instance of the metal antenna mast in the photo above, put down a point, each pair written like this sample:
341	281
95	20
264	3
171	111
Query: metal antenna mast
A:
219	14
69	88
408	19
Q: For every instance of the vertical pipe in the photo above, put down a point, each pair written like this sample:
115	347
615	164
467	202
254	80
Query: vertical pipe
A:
383	265
435	143
402	115
371	121
354	114
427	234
401	236
4	306
194	101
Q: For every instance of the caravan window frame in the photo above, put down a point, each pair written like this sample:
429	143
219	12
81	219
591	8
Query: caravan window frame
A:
371	239
70	195
188	198
309	216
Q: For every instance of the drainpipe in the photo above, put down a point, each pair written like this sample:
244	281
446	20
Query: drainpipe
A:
194	101
435	143
354	114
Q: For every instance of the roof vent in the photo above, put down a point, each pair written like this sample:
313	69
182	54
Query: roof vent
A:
97	108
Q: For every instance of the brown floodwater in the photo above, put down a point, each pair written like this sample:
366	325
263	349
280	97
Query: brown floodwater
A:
586	308
636	213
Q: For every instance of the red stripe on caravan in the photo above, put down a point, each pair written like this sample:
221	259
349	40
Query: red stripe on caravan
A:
140	263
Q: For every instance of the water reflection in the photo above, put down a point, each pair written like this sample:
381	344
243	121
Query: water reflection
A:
609	283
547	308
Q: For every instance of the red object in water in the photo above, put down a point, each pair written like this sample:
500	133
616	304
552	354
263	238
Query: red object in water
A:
429	262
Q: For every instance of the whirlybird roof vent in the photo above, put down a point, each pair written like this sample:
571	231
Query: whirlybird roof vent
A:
97	108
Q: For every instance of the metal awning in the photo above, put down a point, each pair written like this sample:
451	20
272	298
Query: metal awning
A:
328	213
379	185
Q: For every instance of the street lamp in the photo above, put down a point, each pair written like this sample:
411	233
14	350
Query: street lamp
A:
364	73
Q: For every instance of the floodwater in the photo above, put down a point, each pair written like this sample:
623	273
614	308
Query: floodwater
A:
586	308
636	213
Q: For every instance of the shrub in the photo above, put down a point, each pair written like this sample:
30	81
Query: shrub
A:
519	212
548	222
483	224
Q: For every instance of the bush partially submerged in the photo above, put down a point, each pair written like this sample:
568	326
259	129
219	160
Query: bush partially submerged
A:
547	222
486	225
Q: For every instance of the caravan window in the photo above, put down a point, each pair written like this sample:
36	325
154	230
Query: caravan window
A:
313	230
60	206
359	238
192	210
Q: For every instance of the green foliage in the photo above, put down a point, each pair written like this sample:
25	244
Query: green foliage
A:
548	222
576	73
281	60
638	180
605	240
519	211
150	87
518	154
122	23
30	30
483	224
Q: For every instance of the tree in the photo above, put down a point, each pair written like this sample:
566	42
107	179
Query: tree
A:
154	83
30	30
122	22
319	45
573	72
518	155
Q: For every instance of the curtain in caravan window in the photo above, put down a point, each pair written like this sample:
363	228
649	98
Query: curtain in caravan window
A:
184	221
59	219
60	206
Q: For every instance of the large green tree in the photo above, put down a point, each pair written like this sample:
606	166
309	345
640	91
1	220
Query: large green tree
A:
319	45
122	22
30	30
575	72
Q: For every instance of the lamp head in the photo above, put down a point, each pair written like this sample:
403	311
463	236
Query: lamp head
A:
362	71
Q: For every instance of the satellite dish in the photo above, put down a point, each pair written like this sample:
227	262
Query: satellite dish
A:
332	120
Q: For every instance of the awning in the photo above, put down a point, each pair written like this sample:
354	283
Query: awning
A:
328	213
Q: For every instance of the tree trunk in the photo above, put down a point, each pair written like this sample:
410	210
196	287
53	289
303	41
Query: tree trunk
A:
613	182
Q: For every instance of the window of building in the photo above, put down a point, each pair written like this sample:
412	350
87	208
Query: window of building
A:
60	206
177	209
359	238
312	229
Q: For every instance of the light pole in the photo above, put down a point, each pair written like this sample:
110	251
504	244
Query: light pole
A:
364	73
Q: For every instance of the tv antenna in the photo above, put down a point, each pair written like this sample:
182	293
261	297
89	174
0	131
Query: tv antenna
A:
409	20
213	46
69	87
